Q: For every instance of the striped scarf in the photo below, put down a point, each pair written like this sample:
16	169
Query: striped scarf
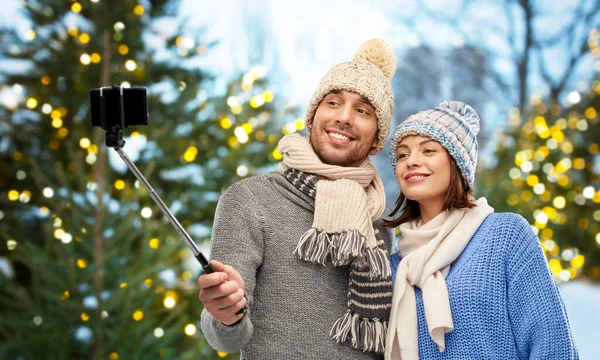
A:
347	201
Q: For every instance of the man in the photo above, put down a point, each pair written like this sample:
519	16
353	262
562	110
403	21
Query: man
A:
274	232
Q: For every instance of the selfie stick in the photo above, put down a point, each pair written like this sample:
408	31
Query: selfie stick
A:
114	139
208	268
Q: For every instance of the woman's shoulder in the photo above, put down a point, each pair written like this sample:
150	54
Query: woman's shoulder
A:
506	222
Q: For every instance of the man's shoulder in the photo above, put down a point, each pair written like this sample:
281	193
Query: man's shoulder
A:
256	184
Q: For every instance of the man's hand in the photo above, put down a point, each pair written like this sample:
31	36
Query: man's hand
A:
222	293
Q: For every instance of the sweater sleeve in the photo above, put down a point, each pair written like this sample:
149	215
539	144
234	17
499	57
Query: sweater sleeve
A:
237	240
536	309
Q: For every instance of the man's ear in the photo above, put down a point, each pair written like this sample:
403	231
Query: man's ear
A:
376	142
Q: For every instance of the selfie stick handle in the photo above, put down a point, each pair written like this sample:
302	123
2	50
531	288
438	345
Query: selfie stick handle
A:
208	268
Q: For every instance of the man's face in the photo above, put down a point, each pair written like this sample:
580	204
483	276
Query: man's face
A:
344	129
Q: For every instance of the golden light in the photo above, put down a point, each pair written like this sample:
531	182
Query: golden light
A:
84	143
225	123
148	283
65	295
138	10
84	38
578	261
123	49
73	31
13	195
93	149
119	184
222	354
11	244
268	96
95	57
113	356
81	263
299	124
85	316
190	154
56	123
153	243
276	154
123	285
563	181
58	233
130	65
62	133
590	113
31	103
190	329
247	128
44	211
55	114
579	164
559	202
594	149
532	180
138	315
30	35
236	110
76	7
186	275
555	266
233	142
46	80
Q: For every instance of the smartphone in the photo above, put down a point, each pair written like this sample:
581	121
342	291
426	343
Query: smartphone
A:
115	106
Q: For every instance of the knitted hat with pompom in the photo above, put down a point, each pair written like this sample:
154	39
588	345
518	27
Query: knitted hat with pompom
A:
368	74
453	124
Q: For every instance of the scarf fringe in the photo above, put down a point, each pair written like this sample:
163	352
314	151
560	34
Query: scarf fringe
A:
342	249
364	334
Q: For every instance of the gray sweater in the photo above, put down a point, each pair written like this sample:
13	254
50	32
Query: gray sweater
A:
292	303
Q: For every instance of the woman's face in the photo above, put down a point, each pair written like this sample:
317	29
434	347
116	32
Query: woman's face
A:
423	170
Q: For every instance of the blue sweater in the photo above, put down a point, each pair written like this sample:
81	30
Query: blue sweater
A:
504	301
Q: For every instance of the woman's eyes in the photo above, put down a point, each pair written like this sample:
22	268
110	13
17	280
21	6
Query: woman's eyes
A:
426	151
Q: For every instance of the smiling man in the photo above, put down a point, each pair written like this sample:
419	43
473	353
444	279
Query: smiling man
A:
274	232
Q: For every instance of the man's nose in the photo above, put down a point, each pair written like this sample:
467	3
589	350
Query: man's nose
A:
345	114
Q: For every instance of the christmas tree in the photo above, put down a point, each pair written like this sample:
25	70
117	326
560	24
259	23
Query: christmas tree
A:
547	169
89	266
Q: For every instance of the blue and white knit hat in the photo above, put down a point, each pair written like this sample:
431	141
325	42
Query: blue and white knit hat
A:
453	124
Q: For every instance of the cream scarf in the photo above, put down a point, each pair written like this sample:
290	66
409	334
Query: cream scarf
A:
427	251
347	202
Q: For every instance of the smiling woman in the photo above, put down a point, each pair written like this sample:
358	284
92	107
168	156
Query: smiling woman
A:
466	280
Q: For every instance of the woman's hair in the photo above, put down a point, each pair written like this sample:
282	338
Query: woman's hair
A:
458	196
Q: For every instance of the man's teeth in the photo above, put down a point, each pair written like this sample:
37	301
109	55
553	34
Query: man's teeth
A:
339	136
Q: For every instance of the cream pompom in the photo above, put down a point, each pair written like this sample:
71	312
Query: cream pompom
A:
380	53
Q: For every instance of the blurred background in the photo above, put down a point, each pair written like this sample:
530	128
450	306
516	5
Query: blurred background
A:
90	268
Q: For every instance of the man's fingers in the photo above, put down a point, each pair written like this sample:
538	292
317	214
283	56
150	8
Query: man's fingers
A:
217	265
227	301
209	280
219	292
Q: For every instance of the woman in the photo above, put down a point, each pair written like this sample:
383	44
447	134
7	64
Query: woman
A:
468	283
